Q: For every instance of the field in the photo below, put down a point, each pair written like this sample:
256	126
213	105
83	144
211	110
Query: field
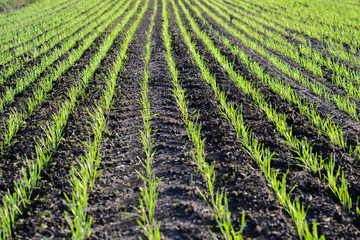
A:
180	119
8	5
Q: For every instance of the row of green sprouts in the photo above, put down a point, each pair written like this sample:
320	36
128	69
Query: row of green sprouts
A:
284	90
339	34
261	155
45	84
149	195
58	28
271	44
85	174
311	161
27	21
86	170
216	199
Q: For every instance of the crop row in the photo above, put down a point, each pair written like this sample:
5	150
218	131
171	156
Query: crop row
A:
13	20
17	40
17	116
83	177
261	155
15	201
320	28
215	198
311	60
149	194
62	39
19	53
328	128
302	147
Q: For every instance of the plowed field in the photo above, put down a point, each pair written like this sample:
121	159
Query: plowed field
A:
180	119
